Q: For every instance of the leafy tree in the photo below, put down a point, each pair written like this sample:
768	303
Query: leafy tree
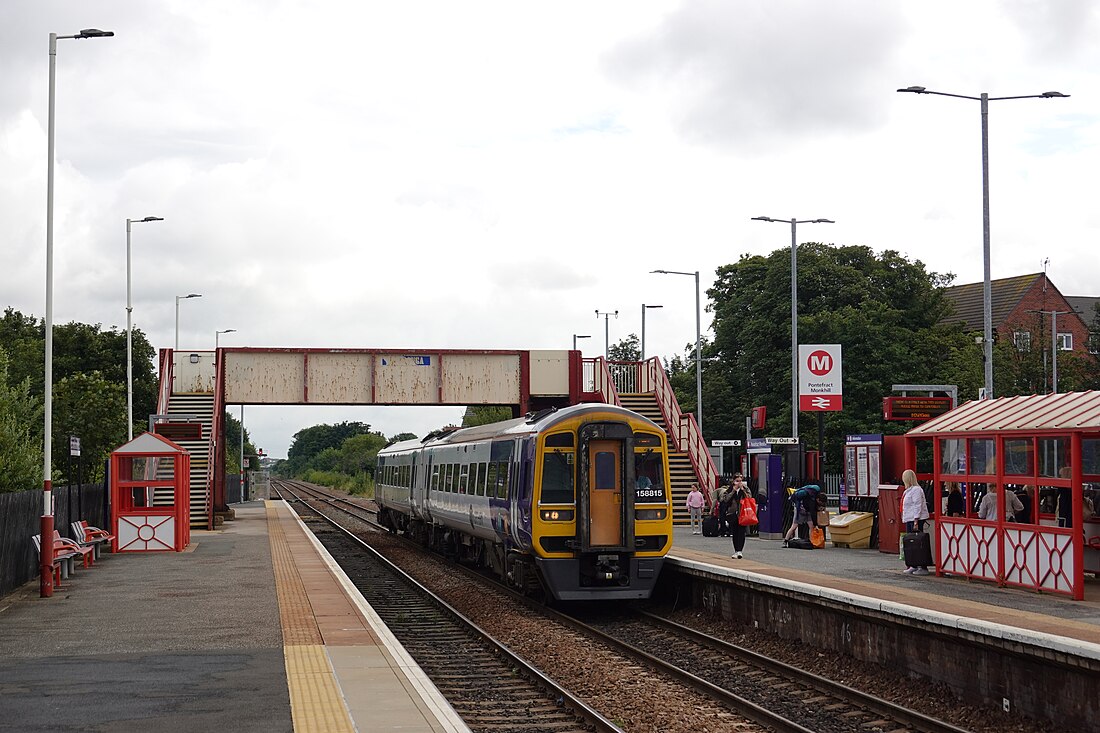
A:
233	446
485	414
628	349
883	309
88	406
359	454
20	433
311	441
400	437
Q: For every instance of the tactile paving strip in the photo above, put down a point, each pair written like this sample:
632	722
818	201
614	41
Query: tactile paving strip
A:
316	705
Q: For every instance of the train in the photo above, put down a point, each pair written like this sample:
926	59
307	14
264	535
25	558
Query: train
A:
567	504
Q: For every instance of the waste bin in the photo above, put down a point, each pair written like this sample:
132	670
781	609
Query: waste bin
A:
852	529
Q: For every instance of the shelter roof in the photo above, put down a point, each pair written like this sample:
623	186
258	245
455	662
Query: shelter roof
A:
1005	294
1075	411
150	443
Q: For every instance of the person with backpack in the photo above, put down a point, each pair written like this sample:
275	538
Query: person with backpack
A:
805	502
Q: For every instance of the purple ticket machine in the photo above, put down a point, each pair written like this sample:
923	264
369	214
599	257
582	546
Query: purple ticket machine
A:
768	472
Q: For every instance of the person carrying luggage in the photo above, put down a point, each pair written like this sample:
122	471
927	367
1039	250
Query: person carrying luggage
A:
804	502
914	512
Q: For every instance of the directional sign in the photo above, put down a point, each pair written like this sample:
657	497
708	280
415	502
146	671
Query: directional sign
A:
725	444
820	387
781	441
74	445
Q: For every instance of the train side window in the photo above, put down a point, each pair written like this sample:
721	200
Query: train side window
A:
557	477
454	478
491	479
435	478
477	472
463	478
503	473
605	470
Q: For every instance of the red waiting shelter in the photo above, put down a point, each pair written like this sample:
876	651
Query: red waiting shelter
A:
150	495
1028	472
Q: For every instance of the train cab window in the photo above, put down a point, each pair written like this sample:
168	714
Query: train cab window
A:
559	440
649	478
647	440
606	473
557	476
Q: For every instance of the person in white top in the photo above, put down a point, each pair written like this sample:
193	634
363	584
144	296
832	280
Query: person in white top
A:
695	503
914	510
987	509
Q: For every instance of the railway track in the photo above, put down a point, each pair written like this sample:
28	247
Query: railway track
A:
770	693
490	687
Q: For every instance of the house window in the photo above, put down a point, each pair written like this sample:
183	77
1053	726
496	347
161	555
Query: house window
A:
1065	342
1022	340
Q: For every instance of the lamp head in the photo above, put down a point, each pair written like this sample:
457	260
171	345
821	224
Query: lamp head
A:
1049	95
763	218
94	33
914	90
193	295
152	218
823	221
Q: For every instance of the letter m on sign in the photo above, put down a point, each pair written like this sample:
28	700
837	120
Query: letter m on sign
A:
820	363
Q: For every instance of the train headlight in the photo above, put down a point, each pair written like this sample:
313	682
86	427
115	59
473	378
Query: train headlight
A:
556	515
649	515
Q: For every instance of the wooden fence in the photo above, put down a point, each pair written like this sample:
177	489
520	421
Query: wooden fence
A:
20	519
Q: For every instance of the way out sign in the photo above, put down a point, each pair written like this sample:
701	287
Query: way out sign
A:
820	387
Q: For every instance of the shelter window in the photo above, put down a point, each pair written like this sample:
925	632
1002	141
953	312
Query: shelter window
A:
1019	457
1065	342
1054	457
952	456
1090	456
558	468
982	456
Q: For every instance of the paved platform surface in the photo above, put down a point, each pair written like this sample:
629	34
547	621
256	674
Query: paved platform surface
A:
252	629
880	575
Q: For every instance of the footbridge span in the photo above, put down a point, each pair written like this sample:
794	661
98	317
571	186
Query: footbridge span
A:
196	386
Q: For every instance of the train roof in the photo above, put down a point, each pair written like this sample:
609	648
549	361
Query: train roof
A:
533	423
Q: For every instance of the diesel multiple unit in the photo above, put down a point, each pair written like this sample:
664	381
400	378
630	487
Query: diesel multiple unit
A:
572	503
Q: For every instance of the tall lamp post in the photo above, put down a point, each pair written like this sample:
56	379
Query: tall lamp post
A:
46	555
606	330
578	336
642	347
129	328
178	299
794	308
698	345
219	333
987	293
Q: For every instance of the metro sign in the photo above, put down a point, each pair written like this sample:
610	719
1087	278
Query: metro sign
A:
820	387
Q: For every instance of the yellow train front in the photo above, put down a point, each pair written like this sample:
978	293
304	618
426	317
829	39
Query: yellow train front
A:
600	515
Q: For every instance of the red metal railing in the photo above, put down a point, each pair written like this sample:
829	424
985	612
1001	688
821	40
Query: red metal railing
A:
164	394
684	429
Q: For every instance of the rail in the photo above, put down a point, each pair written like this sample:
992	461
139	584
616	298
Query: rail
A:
685	432
598	379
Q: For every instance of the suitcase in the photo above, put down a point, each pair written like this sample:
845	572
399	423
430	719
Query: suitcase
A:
800	544
711	525
916	547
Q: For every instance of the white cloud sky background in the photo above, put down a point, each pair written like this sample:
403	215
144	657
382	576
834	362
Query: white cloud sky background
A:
432	175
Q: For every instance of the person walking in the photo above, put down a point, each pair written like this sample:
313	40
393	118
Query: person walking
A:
724	496
695	502
914	511
738	492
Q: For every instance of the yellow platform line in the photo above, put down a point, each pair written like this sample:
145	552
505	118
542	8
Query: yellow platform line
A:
316	704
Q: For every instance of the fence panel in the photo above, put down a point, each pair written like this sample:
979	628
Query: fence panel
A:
20	519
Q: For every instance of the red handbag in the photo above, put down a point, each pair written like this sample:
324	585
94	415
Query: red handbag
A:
748	517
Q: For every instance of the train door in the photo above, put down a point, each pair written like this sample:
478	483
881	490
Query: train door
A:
605	494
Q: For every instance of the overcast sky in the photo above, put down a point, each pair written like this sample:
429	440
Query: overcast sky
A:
488	175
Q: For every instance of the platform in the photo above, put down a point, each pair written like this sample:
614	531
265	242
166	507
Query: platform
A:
879	577
253	627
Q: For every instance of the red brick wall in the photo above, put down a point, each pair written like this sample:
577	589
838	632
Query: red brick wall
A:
1035	299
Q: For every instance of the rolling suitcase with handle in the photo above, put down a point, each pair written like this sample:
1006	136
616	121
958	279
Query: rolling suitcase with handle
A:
710	526
917	549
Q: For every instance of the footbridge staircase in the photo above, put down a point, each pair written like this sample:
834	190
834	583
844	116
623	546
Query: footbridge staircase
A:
643	386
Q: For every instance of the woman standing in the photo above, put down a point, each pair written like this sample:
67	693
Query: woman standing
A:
914	510
737	493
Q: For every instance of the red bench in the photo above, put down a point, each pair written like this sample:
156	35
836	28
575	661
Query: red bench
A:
62	560
90	536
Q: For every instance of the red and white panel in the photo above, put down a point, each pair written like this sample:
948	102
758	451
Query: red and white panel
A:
968	549
145	533
1056	563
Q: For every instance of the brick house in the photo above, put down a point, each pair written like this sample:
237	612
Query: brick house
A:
1015	305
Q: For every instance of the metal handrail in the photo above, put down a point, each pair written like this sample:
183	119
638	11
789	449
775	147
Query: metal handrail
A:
684	429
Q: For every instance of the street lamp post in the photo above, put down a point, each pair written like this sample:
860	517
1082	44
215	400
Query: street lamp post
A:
129	328
642	347
987	292
698	345
219	333
794	308
178	299
606	330
578	336
46	555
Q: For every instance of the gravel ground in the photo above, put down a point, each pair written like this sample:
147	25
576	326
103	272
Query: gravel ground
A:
641	703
